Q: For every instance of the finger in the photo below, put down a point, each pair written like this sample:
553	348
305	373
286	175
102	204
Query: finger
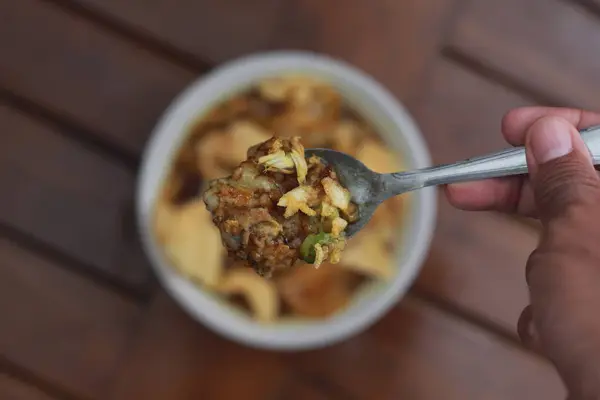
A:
516	122
526	330
513	194
503	194
510	195
560	167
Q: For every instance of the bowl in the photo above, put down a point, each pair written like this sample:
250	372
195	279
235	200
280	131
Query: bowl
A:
369	98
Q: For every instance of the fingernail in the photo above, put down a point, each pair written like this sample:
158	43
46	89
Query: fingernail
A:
550	138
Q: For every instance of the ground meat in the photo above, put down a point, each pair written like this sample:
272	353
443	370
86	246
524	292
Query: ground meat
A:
247	209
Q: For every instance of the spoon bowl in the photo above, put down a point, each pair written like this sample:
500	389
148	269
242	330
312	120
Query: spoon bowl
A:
366	186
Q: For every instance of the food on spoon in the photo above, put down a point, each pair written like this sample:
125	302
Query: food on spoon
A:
278	207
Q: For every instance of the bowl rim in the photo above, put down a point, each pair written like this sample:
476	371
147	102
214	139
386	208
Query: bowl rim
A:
183	111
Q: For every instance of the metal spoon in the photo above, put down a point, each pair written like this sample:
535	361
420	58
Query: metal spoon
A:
369	189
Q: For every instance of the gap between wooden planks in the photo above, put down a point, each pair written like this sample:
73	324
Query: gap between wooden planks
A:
391	40
59	326
551	45
90	75
69	198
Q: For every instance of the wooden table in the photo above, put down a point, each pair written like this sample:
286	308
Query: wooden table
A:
82	82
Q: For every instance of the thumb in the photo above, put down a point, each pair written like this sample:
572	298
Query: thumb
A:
560	168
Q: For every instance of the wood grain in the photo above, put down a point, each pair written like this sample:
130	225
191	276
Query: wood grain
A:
552	46
175	357
379	36
207	30
114	88
418	352
60	326
297	388
460	112
69	197
593	4
13	389
477	260
415	352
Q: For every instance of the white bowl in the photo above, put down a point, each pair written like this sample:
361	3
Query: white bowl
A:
374	103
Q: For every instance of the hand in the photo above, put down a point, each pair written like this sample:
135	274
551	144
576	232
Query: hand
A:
563	273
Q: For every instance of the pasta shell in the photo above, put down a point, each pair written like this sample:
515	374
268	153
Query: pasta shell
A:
260	293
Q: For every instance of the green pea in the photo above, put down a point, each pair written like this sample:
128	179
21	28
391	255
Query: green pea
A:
307	249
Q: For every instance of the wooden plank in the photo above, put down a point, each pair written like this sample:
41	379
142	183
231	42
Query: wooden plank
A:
209	30
552	46
83	72
192	362
460	112
595	4
60	326
393	40
477	260
13	389
415	352
295	388
418	352
69	197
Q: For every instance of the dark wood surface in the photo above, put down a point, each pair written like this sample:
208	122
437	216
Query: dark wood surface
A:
11	388
82	83
549	47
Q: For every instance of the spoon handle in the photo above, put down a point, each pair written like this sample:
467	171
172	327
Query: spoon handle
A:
503	163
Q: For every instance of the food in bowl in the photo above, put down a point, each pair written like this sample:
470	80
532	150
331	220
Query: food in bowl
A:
295	109
278	207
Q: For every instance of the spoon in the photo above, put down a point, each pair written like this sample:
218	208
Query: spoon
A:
369	189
